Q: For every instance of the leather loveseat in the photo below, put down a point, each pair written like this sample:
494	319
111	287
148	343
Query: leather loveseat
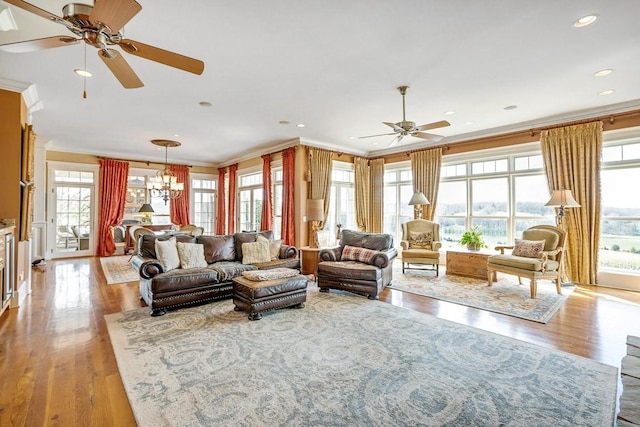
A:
362	263
163	290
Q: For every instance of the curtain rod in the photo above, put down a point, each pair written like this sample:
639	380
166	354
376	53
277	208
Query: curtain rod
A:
147	162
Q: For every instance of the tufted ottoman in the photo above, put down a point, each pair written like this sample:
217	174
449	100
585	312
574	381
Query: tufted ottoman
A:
255	292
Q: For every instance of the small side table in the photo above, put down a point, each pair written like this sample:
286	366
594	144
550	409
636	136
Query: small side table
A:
309	260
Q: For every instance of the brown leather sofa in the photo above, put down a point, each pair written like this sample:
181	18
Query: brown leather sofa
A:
362	263
163	290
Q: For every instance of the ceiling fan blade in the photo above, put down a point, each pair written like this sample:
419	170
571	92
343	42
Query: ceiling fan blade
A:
434	125
162	56
380	134
394	126
114	13
38	44
396	141
429	136
120	68
34	9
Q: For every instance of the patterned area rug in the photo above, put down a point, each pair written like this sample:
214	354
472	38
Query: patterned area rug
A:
117	269
344	360
506	296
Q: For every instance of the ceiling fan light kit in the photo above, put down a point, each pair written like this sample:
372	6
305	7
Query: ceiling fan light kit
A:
408	128
101	26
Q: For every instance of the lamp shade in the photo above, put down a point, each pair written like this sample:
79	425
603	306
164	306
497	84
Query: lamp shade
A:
146	208
418	198
315	209
562	198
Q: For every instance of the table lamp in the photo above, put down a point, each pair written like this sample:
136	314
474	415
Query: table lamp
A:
562	199
315	213
146	210
417	200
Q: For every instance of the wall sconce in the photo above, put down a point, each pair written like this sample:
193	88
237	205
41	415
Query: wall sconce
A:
562	199
315	213
417	200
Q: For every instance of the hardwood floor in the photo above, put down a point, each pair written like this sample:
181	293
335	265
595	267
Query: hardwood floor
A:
57	366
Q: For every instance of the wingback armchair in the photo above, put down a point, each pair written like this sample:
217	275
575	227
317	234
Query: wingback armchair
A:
420	244
362	263
537	256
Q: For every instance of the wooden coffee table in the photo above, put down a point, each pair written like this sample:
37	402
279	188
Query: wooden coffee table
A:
467	263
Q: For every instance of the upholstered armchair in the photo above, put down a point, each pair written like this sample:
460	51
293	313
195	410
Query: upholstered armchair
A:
420	244
362	263
192	230
537	256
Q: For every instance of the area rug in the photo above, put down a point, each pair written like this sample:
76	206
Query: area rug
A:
344	360
506	296
117	269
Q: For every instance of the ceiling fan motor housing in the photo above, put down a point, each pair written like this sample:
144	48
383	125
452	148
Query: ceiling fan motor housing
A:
407	126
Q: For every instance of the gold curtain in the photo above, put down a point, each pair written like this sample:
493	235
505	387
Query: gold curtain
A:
376	205
572	162
362	192
320	174
425	168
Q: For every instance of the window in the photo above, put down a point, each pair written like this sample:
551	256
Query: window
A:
250	202
620	225
342	199
203	203
137	194
398	189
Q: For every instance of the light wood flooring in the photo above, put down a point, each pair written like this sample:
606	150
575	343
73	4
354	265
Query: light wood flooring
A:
57	366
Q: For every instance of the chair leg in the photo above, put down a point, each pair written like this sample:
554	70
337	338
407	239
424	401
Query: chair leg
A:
558	285
402	267
519	280
534	288
490	277
437	269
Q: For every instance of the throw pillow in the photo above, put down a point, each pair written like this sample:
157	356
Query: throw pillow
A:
255	252
528	248
420	240
167	253
191	255
274	249
273	274
353	253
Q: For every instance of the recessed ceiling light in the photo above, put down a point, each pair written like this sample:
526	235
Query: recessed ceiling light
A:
83	73
284	122
205	104
176	135
585	20
603	73
448	113
300	125
375	143
510	107
606	92
468	123
352	137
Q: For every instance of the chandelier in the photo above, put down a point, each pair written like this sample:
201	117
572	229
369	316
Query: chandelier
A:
165	184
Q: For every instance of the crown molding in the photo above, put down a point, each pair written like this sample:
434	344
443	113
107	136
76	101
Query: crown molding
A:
29	93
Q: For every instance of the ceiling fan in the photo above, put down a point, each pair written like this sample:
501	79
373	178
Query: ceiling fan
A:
101	26
404	128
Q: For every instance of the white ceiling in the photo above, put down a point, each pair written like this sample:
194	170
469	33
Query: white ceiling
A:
333	65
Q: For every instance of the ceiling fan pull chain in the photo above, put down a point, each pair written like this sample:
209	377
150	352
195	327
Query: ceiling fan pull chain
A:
84	93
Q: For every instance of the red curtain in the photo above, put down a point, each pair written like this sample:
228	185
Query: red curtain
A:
179	207
113	189
220	210
233	189
267	210
288	186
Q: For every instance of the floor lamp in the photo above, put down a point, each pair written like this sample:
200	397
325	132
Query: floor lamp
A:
417	200
562	199
315	213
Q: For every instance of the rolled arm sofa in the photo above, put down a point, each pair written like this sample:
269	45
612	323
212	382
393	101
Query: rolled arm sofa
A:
362	263
164	289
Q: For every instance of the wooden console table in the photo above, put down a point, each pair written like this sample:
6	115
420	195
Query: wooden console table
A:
467	263
128	241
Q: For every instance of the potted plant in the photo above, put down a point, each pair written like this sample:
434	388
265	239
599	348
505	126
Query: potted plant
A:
473	239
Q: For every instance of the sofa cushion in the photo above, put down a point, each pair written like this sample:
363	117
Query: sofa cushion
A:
179	279
349	270
375	241
528	248
352	253
218	248
191	255
148	243
167	253
257	251
279	263
249	237
228	270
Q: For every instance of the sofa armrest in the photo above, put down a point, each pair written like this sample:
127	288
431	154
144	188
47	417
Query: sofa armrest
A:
404	244
150	268
436	245
381	259
330	254
287	252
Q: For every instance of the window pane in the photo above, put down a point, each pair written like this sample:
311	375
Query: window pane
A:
451	229
531	193
620	245
452	199
615	192
631	151
494	231
490	197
